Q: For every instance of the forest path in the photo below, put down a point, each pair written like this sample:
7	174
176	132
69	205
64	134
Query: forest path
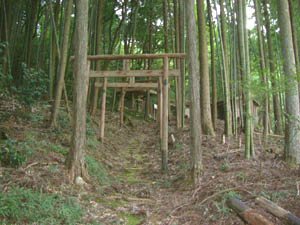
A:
143	194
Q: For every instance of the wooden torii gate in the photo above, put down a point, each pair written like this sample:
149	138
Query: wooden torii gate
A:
162	85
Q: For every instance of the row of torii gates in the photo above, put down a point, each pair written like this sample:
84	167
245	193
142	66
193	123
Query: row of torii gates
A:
162	85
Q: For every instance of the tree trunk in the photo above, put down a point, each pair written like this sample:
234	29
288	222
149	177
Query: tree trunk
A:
263	68
181	17
277	211
178	79
196	152
207	126
55	45
63	62
5	36
295	42
98	52
276	103
292	134
213	65
31	26
75	158
245	70
251	216
227	103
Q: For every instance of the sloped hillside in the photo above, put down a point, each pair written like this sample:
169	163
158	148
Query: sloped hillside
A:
126	185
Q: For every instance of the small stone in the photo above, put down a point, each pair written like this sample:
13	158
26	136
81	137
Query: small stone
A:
79	181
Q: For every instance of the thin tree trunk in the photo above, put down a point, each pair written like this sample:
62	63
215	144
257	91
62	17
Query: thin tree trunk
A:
207	126
98	52
31	26
6	33
196	151
181	17
276	103
55	43
227	103
213	65
63	63
178	80
263	73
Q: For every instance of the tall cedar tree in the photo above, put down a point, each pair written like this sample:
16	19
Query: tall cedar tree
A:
206	120
292	133
75	160
196	152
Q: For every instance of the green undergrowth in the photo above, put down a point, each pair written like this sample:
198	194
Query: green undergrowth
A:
97	171
112	203
25	206
14	153
132	219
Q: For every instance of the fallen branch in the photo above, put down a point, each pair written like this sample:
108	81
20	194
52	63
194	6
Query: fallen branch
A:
250	215
277	211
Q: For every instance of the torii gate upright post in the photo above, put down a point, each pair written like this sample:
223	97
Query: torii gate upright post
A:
165	122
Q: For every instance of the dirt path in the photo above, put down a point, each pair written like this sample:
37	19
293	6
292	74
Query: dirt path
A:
143	195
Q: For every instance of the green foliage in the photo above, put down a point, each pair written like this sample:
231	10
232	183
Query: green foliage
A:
96	171
225	165
13	153
34	86
222	207
23	206
132	219
59	149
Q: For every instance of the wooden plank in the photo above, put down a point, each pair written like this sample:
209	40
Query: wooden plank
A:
128	85
141	56
133	73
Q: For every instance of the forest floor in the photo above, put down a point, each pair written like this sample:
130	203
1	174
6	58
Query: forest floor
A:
126	184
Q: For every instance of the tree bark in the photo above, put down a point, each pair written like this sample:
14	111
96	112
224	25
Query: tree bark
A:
75	158
178	80
263	68
98	52
207	126
277	211
251	216
181	17
213	65
295	42
227	102
55	45
276	103
245	71
195	149
31	26
292	134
